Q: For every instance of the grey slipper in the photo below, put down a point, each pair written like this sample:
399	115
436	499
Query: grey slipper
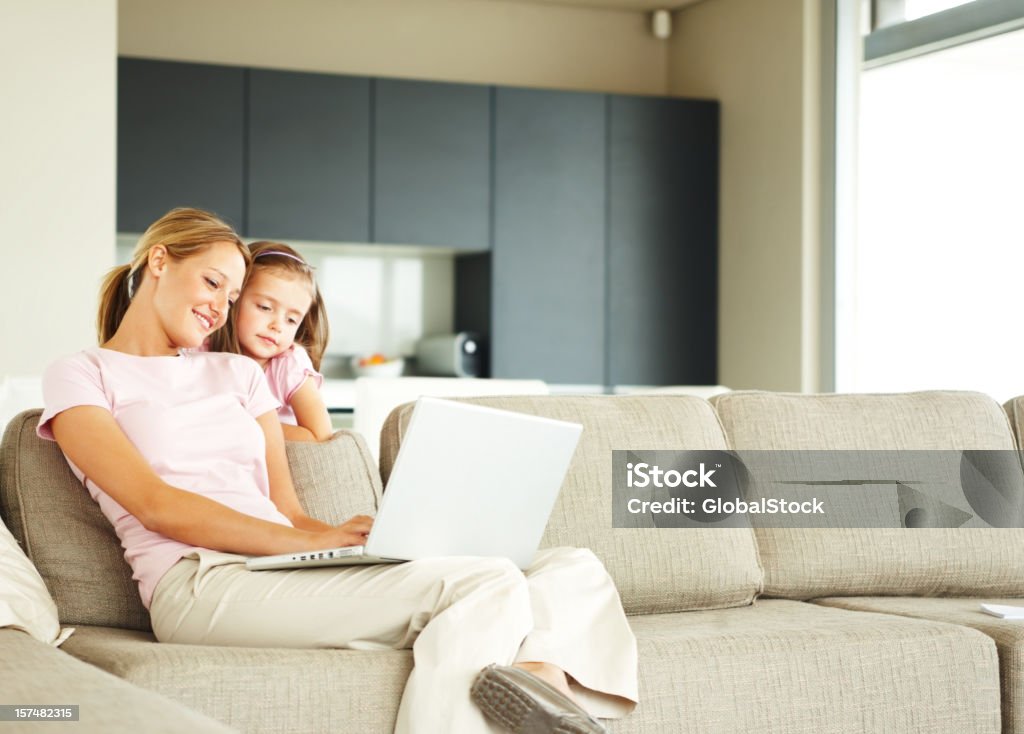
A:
524	704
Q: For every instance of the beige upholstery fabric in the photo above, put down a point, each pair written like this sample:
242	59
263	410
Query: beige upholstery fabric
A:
34	673
655	570
63	531
256	689
1007	634
781	667
1014	409
808	563
777	666
337	479
922	420
75	549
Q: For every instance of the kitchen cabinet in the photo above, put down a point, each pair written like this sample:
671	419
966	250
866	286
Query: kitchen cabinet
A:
309	156
180	140
431	164
604	269
662	241
587	224
548	261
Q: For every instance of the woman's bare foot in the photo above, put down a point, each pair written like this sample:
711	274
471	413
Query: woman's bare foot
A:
550	674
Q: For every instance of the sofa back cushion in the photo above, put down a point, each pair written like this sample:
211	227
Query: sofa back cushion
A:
806	563
75	549
655	569
335	479
1014	409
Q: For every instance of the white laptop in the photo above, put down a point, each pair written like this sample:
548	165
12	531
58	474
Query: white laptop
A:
468	481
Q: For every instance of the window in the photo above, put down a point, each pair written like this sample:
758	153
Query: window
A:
890	12
914	9
900	29
929	298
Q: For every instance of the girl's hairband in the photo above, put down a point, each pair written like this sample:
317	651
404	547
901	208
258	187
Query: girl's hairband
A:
267	253
131	272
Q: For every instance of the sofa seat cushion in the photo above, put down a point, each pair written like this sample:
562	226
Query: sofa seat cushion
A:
797	668
655	569
258	689
75	549
776	665
1008	635
35	673
805	563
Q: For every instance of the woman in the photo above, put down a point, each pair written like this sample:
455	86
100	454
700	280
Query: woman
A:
183	452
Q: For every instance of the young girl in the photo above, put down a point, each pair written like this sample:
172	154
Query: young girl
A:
280	321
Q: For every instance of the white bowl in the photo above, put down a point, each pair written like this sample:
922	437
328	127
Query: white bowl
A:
391	368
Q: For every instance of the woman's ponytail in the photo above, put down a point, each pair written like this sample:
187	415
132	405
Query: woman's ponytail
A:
114	302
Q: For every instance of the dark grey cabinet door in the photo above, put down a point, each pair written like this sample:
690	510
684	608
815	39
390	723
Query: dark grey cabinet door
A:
309	156
180	140
663	235
548	266
431	180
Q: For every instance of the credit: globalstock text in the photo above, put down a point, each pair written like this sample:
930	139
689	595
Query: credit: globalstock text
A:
762	506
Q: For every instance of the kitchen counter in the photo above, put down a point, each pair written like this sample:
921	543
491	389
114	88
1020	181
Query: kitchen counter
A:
340	395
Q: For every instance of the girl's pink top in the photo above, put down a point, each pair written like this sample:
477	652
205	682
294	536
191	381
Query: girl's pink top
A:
191	416
285	374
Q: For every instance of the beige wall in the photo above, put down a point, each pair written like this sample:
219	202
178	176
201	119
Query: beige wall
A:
57	183
57	179
761	59
488	41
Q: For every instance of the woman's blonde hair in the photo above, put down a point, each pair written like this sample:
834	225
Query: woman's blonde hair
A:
183	232
313	331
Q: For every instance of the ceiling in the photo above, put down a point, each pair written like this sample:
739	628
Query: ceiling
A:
637	5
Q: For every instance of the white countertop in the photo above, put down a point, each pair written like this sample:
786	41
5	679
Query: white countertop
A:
340	395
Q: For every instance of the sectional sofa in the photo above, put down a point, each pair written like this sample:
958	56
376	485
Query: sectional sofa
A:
739	629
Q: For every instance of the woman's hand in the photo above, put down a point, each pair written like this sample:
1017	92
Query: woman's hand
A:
351	532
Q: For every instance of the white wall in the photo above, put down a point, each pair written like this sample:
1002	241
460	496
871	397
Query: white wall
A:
485	41
57	179
761	60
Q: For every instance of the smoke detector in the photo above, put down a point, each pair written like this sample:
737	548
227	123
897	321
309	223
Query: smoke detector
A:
661	24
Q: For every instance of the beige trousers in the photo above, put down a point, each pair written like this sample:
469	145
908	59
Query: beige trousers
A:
458	614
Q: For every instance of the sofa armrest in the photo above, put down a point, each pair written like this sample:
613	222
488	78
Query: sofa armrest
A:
35	674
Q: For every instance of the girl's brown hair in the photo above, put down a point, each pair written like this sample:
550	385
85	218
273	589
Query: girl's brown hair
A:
279	258
183	233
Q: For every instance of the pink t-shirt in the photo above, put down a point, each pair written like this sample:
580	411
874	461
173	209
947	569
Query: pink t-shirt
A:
285	374
191	416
